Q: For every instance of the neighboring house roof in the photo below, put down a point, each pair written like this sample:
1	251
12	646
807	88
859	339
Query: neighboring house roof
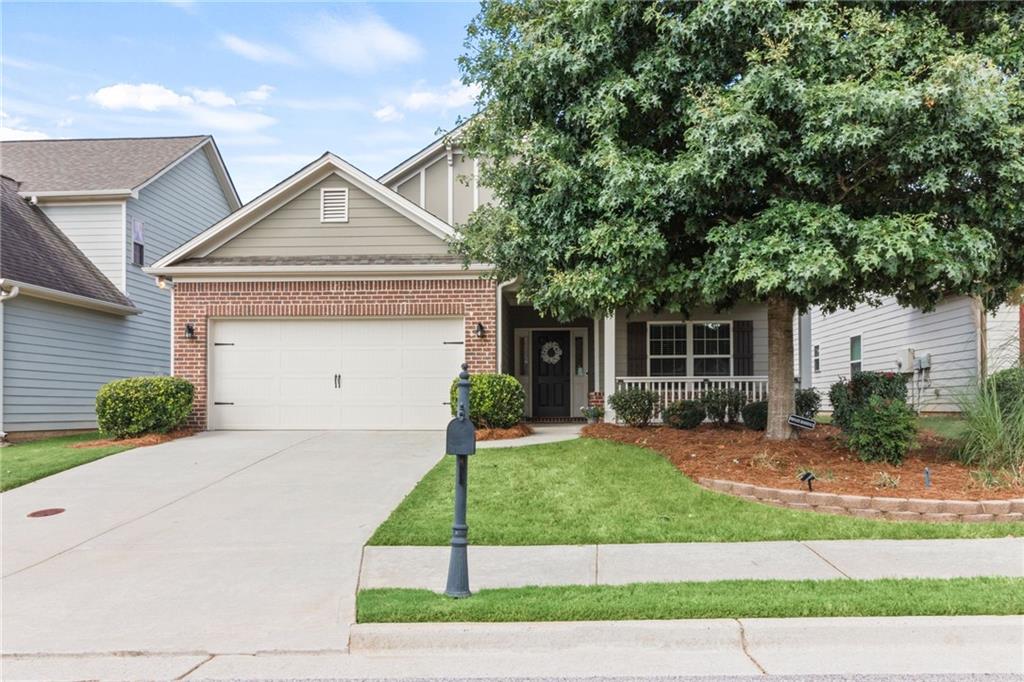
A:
39	259
103	167
187	257
398	172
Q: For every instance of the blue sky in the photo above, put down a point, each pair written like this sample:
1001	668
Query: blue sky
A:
277	84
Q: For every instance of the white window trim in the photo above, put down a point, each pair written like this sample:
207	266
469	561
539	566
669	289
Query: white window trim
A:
651	356
860	360
694	356
323	193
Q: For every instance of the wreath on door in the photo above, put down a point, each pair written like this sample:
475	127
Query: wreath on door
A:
551	352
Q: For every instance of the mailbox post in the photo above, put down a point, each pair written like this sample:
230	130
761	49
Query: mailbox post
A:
460	441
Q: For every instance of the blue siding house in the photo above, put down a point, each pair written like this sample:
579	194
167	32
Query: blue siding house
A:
81	218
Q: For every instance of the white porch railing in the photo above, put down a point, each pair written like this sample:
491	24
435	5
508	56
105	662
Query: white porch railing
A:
672	389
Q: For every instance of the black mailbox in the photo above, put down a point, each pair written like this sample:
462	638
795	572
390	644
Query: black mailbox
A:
461	438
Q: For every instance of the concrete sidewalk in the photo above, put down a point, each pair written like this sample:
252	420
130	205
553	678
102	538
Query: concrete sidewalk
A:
542	433
745	647
490	567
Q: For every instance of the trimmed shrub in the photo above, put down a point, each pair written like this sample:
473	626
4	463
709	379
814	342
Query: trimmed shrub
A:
138	405
635	406
882	430
755	415
849	396
808	402
496	401
683	414
724	404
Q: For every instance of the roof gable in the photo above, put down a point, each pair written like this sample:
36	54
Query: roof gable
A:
112	166
379	202
36	252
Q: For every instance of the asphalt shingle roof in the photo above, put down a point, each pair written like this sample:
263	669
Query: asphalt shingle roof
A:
35	251
89	165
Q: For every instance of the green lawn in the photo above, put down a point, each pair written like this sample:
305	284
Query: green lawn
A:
722	599
591	491
27	462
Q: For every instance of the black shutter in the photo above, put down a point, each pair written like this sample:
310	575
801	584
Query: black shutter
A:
636	349
743	348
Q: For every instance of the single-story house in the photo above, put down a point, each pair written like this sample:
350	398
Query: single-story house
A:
81	218
331	302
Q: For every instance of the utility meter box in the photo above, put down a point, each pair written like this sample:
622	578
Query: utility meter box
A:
923	362
905	361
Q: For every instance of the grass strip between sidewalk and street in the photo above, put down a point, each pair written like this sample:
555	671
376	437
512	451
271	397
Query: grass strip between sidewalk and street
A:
23	463
719	599
589	491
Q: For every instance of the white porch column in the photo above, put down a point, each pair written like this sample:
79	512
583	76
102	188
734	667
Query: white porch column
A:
608	366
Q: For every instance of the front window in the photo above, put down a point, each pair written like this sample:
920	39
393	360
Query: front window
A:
855	353
712	349
667	356
817	358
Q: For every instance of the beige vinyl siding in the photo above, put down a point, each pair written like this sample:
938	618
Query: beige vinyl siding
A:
410	189
295	230
754	312
97	230
462	188
948	334
436	180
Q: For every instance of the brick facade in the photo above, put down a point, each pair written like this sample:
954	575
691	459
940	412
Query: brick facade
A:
198	302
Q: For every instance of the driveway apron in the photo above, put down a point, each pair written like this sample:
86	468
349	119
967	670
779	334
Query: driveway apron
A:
224	542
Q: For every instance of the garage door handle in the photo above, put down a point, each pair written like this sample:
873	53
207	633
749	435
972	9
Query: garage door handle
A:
337	381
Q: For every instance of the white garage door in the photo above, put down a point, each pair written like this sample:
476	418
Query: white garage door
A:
333	374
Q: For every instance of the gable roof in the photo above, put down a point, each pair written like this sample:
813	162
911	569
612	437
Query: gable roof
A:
103	166
37	257
220	233
398	172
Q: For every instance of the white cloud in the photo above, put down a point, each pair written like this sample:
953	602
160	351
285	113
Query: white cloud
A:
358	45
145	96
268	54
260	94
324	104
233	120
388	114
207	109
8	133
213	98
452	96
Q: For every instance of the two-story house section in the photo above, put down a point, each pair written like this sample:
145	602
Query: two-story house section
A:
119	205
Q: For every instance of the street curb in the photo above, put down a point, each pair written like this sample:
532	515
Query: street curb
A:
972	633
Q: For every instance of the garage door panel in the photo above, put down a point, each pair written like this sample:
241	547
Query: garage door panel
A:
395	373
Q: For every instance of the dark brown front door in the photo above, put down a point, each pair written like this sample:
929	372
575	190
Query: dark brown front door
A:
551	376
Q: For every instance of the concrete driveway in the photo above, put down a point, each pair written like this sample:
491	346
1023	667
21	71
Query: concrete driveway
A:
223	542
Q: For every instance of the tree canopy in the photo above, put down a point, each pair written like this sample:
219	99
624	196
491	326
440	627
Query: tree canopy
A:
674	154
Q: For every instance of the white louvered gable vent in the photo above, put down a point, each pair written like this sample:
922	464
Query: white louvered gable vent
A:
334	204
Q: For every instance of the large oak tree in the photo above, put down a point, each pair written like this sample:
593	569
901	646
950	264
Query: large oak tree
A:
677	154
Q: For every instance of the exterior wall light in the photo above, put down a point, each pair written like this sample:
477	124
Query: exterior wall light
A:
480	330
190	330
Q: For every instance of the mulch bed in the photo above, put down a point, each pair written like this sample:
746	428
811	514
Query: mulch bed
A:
740	455
517	431
148	439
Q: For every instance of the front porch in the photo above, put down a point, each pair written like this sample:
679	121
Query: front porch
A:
565	366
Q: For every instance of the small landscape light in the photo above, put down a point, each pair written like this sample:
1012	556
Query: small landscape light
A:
190	330
927	478
807	477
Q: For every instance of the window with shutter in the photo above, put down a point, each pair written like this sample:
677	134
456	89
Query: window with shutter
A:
334	205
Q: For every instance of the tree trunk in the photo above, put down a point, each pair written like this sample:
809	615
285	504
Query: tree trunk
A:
780	368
